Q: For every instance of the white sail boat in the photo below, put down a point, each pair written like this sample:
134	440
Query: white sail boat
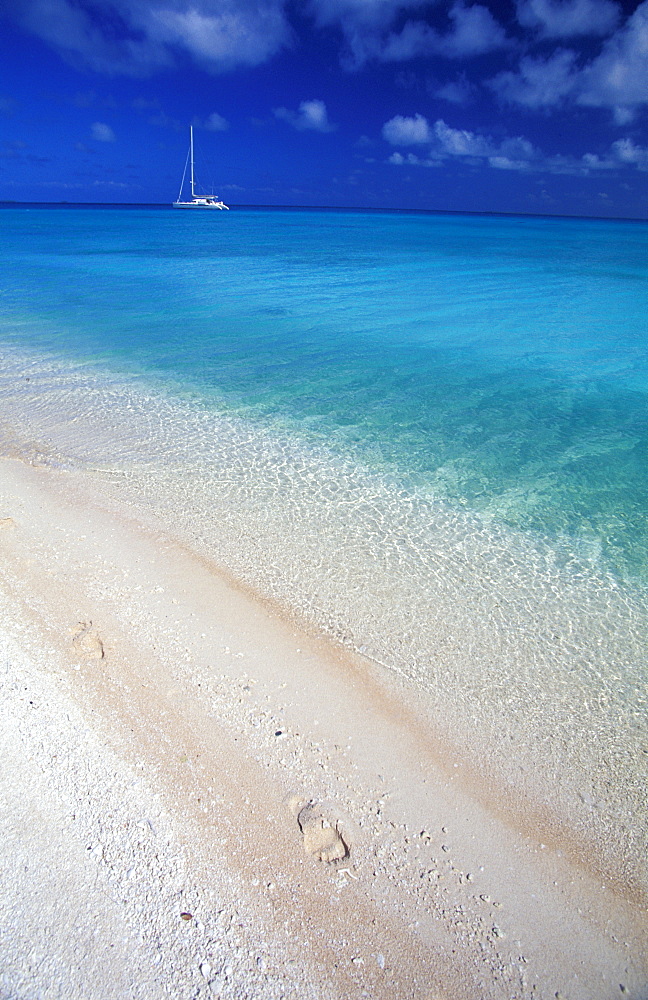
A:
197	200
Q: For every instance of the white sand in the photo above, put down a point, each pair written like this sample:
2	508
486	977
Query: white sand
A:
156	720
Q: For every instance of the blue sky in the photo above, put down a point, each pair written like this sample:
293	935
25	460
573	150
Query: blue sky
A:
530	106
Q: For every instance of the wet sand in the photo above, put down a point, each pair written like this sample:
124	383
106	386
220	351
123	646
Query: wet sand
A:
203	798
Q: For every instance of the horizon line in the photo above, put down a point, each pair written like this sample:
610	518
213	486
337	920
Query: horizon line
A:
332	208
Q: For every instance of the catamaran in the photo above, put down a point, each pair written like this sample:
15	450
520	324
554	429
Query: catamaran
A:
197	200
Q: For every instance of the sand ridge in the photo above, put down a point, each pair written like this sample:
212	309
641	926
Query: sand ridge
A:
378	876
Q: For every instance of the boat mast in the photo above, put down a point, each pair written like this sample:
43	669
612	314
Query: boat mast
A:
192	158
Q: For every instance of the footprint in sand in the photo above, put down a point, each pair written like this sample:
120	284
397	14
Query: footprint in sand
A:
7	522
322	826
86	641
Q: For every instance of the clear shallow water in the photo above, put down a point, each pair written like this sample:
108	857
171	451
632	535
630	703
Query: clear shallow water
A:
427	433
499	362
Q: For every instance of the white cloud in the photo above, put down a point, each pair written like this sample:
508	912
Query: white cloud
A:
445	142
626	152
622	116
312	115
415	39
79	37
618	77
102	132
592	161
216	123
460	142
516	153
540	83
218	34
518	148
403	131
622	153
411	160
568	18
563	166
506	163
474	32
363	24
459	91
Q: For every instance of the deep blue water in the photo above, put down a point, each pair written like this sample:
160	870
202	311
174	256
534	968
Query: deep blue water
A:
500	363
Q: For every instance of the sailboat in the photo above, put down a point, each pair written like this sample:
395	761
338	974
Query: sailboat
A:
197	201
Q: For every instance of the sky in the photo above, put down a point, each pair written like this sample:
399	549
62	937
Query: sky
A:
528	106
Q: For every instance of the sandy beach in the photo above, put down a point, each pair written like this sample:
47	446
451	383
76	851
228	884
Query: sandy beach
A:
202	798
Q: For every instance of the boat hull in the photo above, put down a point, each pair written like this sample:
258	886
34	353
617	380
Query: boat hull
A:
194	204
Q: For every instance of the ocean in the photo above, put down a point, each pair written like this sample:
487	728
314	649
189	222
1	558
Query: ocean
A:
427	435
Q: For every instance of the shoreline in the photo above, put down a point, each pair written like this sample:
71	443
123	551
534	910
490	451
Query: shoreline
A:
218	709
531	670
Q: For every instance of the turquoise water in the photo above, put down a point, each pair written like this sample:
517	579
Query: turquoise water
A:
426	434
498	362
